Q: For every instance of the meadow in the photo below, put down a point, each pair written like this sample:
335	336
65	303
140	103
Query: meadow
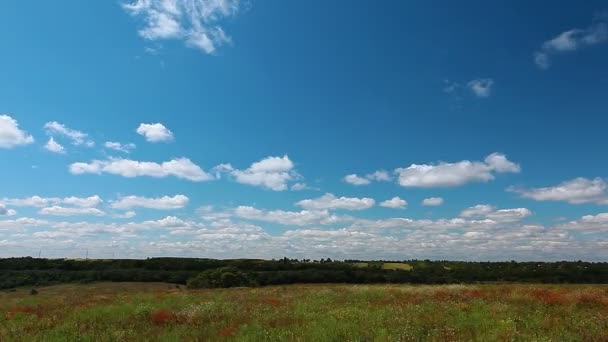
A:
324	312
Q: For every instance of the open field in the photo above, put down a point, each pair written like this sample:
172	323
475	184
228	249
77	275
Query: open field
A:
158	311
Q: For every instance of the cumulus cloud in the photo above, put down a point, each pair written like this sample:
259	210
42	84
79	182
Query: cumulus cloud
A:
77	137
193	21
296	218
331	202
486	211
68	211
10	133
588	224
273	173
163	203
481	87
4	211
380	176
126	215
182	168
432	201
116	146
576	191
155	132
37	201
571	40
394	202
54	146
455	174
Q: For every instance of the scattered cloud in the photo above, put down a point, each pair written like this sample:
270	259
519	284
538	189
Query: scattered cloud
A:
486	211
77	137
39	202
455	174
356	180
193	21
182	168
126	215
4	211
163	203
481	87
379	176
296	218
67	211
300	186
331	202
394	202
155	132
116	146
272	173
54	146
576	191
432	201
572	40
11	135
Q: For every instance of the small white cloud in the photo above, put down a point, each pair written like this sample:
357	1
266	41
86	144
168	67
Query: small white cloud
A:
116	146
455	174
65	211
77	137
192	21
299	187
331	202
4	211
155	132
432	201
126	215
481	87
273	173
87	202
571	40
11	135
181	168
37	201
486	211
162	203
394	202
576	191
296	218
54	146
356	180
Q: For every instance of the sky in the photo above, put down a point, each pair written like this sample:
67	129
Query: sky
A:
263	129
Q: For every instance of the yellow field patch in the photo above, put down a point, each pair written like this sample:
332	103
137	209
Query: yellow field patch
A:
397	266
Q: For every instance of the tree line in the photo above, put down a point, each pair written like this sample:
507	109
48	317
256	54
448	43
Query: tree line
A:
15	272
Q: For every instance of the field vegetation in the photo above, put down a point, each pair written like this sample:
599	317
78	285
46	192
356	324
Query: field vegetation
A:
329	312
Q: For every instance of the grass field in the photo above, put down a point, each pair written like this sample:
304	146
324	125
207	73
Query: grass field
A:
156	311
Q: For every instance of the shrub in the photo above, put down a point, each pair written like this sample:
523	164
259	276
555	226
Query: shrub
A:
220	277
33	292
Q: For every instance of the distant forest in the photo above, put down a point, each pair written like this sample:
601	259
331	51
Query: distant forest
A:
196	273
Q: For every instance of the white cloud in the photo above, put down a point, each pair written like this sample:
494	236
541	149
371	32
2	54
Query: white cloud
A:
571	40
164	203
116	146
588	224
127	215
296	218
77	137
481	87
273	173
54	146
331	202
299	187
193	21
11	135
37	201
356	180
181	168
455	174
432	201
486	211
65	211
394	202
379	176
4	211
155	132
576	191
87	202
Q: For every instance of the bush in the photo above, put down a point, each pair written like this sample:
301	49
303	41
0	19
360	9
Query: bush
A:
216	278
33	292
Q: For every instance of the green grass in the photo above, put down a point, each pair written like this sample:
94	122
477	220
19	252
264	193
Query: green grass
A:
159	312
397	266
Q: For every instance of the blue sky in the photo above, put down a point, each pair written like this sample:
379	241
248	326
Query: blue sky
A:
228	128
